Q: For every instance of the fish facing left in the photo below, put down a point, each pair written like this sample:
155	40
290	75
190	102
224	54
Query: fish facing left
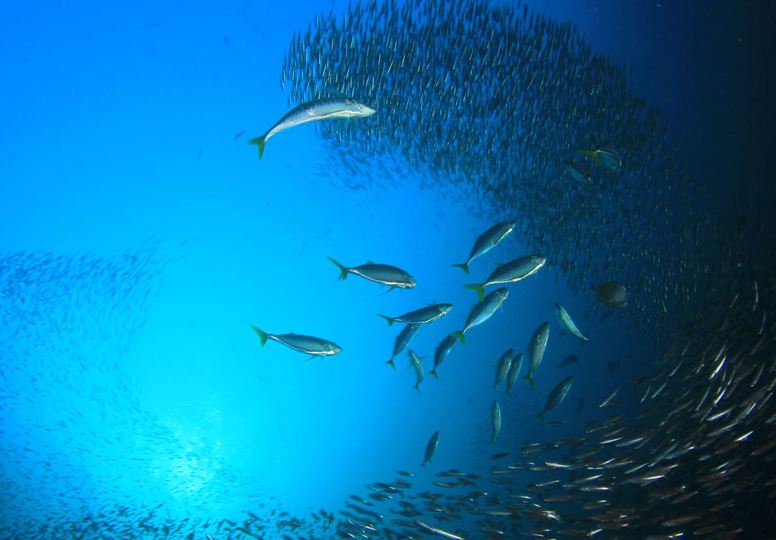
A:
311	111
306	344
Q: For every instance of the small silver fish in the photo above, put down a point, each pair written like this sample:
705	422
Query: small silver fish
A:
503	366
420	316
495	418
441	352
487	241
514	372
604	156
385	274
510	272
417	364
430	448
320	109
402	340
568	322
536	349
557	396
306	344
483	311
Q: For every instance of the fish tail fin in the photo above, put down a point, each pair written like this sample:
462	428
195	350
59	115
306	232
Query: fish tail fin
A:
540	416
591	154
389	319
463	266
478	288
530	381
262	335
459	336
434	373
343	269
259	141
391	363
417	387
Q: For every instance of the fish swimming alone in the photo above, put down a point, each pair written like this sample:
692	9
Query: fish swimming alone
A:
510	272
441	352
487	241
306	344
402	340
495	420
604	156
420	316
536	348
483	311
319	109
430	448
612	293
557	396
568	322
385	274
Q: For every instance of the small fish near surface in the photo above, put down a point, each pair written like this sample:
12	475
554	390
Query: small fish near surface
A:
430	448
510	272
487	241
536	348
384	274
568	322
423	315
557	396
483	311
306	344
402	340
612	293
320	109
604	156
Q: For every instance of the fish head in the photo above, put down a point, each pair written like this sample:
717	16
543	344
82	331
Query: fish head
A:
359	109
445	308
510	226
540	260
333	349
411	282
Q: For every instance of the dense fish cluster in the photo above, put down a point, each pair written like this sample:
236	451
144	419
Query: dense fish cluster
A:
513	114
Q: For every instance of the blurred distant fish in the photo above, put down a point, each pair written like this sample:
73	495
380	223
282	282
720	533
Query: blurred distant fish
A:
536	348
495	419
510	272
514	371
576	173
441	352
570	359
487	241
503	366
604	156
420	316
568	322
483	311
239	134
557	396
417	365
402	340
385	274
306	344
430	448
612	293
320	109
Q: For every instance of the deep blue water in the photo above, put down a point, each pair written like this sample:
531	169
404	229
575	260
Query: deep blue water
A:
140	238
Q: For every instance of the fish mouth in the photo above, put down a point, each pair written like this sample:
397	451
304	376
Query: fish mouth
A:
366	111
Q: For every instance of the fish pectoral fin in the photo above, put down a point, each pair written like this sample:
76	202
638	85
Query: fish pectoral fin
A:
391	288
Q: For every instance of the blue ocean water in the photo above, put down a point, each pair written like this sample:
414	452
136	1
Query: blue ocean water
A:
140	238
